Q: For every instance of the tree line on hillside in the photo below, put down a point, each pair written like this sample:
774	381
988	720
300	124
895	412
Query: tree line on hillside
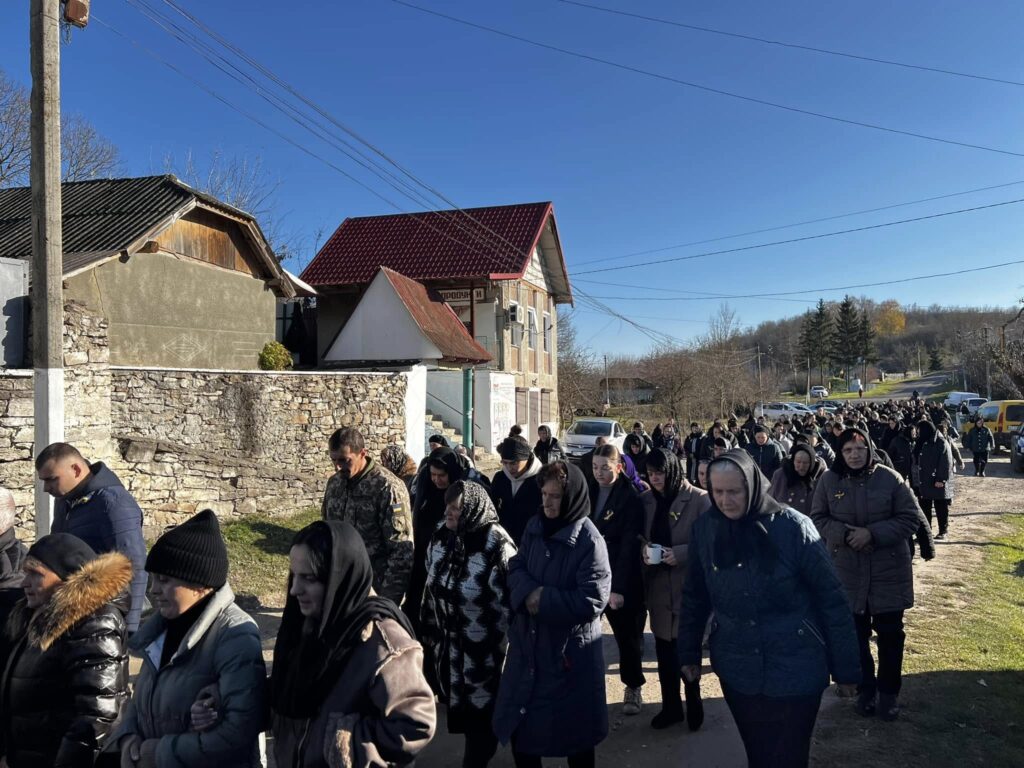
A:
729	369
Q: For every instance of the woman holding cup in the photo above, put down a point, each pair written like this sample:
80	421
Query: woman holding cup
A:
671	507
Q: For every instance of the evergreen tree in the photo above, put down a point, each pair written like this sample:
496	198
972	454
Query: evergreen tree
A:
934	359
866	343
846	336
816	338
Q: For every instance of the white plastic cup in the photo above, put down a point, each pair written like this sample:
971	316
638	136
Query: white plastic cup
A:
654	553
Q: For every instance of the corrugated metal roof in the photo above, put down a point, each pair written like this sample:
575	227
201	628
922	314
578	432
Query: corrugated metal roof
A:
435	245
99	217
437	320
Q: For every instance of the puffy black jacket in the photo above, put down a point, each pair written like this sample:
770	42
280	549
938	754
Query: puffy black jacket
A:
515	510
549	452
768	457
66	678
103	514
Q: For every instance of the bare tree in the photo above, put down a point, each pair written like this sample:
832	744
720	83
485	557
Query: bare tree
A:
85	154
245	183
577	371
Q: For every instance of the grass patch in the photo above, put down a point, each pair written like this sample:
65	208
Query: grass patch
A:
258	553
963	677
875	389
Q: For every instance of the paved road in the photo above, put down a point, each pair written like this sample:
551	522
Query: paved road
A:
927	385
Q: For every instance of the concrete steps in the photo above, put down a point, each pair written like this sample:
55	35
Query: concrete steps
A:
436	426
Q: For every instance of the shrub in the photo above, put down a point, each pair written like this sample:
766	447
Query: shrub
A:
274	357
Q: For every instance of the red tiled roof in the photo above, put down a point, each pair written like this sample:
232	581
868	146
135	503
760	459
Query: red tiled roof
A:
438	321
494	243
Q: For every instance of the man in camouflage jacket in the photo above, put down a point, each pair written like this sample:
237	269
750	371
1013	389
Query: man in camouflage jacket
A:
376	503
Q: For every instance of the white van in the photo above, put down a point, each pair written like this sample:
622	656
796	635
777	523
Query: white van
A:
955	398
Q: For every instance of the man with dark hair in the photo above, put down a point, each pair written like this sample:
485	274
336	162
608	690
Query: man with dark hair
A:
376	503
639	431
92	504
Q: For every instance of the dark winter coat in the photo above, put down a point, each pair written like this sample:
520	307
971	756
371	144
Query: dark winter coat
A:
935	460
552	694
980	440
103	514
781	624
878	578
465	612
222	648
620	522
12	555
549	451
517	501
663	584
66	677
794	491
768	457
901	452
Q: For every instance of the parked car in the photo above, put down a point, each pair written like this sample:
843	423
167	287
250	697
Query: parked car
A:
1003	417
954	399
774	411
819	391
583	433
1017	450
973	404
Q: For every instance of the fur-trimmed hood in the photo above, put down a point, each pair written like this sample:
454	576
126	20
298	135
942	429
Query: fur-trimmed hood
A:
84	592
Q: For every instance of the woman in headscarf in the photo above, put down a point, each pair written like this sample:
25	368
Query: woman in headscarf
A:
793	483
781	622
551	701
901	453
444	468
618	514
465	615
866	514
65	680
400	464
935	462
670	509
702	473
636	449
347	686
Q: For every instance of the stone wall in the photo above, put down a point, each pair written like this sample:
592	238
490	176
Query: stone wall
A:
280	419
86	407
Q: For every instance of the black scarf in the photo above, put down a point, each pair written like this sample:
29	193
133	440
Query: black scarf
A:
839	465
813	472
575	503
179	626
744	540
309	660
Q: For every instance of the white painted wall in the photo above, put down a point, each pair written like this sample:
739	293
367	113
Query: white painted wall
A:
415	407
444	396
381	328
495	401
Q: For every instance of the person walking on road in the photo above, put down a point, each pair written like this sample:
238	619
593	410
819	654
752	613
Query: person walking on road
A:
781	624
376	503
980	441
514	489
465	615
92	504
935	462
551	701
866	514
793	483
766	453
617	513
548	449
670	509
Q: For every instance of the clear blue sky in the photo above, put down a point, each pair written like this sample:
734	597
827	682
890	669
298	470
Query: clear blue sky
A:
631	163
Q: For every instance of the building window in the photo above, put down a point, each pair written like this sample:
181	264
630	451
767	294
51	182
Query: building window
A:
531	315
547	332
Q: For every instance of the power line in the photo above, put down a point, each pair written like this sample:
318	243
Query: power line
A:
701	87
797	46
824	290
806	238
701	294
800	223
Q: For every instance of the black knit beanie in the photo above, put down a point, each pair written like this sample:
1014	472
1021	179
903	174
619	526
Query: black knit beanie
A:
62	553
193	552
514	449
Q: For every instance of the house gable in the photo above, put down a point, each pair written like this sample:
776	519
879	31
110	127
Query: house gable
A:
213	239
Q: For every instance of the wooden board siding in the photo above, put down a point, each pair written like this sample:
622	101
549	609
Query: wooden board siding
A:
205	237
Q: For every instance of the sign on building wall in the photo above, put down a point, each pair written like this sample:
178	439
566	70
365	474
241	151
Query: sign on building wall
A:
461	295
503	405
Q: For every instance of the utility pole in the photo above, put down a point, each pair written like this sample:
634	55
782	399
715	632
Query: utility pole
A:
607	397
760	383
988	367
47	308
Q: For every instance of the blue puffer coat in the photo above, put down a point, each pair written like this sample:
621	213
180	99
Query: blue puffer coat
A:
552	696
103	514
775	633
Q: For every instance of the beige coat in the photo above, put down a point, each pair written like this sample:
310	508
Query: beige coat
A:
663	584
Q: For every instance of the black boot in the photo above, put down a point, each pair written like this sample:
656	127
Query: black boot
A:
888	707
694	706
866	704
668	716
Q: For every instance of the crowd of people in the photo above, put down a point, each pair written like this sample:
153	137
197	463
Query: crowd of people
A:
781	547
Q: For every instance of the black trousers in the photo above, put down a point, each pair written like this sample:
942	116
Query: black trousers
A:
481	744
628	628
776	730
579	760
941	512
980	460
669	675
891	638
